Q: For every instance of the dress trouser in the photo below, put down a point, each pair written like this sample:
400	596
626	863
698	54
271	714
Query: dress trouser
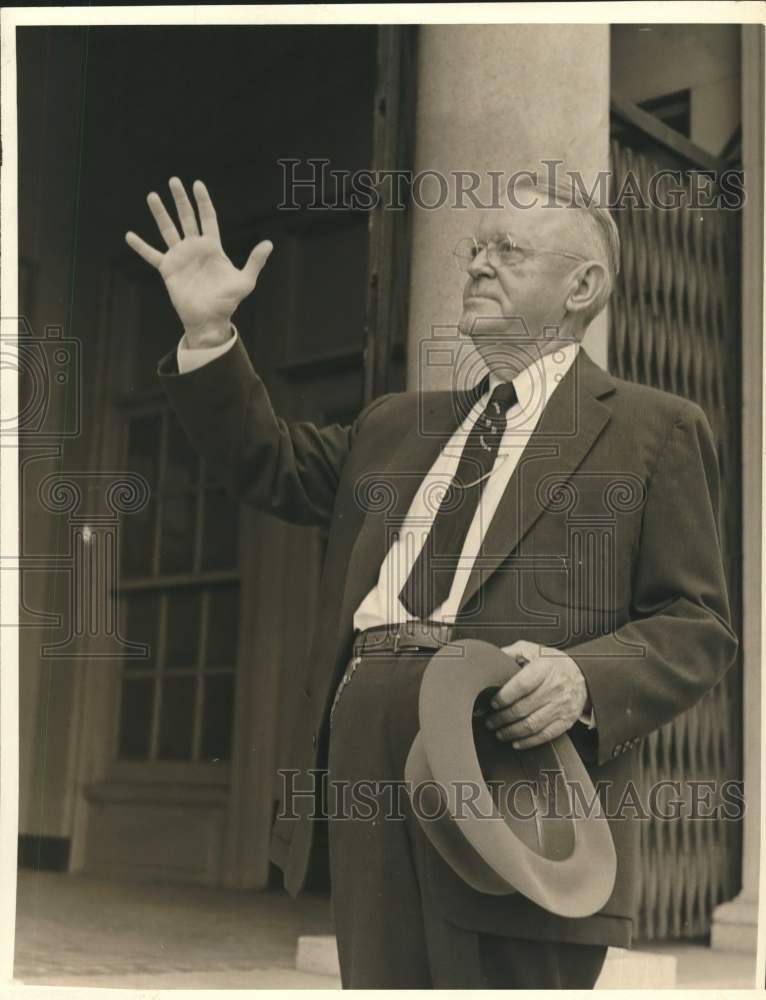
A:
389	931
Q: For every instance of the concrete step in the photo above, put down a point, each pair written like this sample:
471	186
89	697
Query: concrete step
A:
637	970
703	968
318	955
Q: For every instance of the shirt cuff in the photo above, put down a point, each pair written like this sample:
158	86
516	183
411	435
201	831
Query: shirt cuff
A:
588	719
189	358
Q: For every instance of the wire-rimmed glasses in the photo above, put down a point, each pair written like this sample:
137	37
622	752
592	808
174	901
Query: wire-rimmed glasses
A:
502	252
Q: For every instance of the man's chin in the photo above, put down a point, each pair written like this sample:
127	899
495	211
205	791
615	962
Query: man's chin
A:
475	324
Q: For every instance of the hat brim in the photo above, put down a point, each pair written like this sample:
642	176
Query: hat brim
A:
564	861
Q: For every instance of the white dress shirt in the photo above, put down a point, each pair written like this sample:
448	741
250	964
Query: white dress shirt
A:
534	387
189	358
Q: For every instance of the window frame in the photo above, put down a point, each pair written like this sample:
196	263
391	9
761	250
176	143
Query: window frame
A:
155	769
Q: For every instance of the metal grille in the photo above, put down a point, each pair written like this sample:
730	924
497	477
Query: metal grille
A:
674	324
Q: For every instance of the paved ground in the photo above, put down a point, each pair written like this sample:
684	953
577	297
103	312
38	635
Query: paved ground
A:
75	930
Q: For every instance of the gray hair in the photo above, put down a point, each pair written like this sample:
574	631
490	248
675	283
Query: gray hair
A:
603	237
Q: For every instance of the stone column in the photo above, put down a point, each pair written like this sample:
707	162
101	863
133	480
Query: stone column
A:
500	97
735	923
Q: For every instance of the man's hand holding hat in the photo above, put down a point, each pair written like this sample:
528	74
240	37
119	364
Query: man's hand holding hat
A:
540	702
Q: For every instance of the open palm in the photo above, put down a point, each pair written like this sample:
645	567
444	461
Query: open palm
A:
204	286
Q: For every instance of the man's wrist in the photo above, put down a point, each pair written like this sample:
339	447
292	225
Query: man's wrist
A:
212	334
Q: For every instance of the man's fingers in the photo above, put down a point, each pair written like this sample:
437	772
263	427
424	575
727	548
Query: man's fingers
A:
184	207
165	224
545	735
150	255
523	683
207	217
258	257
523	648
531	725
520	709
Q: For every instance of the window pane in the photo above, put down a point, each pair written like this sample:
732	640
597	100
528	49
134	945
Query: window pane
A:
182	469
136	717
178	524
182	630
222	626
137	535
177	717
138	528
141	624
217	716
219	540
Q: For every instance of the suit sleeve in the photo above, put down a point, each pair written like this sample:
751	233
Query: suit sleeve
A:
289	470
679	641
189	358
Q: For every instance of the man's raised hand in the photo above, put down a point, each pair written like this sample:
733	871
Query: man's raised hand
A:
204	286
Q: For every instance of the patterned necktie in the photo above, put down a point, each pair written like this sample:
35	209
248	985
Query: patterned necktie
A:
430	579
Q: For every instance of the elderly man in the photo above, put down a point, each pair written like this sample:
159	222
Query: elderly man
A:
560	513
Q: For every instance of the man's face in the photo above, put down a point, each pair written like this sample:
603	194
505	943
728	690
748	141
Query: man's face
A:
523	298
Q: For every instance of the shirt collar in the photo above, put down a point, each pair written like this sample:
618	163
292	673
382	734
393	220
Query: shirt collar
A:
535	384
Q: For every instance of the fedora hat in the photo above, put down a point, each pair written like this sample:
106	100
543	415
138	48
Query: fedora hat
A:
506	820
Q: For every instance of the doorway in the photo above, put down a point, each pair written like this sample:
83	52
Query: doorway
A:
171	765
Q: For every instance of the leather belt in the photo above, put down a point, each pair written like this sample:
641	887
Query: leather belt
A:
412	636
408	637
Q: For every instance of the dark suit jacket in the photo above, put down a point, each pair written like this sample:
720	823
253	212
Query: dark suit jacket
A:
605	544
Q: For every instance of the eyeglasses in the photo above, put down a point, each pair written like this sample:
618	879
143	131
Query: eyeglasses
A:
503	252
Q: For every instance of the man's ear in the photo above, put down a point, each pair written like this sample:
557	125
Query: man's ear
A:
586	286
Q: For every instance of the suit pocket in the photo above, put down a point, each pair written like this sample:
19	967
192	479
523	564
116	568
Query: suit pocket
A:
582	554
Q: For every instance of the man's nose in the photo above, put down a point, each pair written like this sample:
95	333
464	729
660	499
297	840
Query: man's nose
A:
480	264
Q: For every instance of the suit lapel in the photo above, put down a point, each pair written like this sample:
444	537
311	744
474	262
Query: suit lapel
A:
568	428
387	493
